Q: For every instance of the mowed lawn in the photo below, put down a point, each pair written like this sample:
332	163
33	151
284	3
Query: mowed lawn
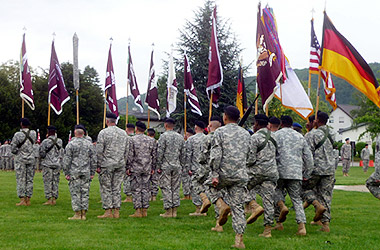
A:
355	224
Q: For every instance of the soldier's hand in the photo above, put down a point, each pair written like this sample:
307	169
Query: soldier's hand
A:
68	177
98	170
159	171
128	172
152	172
190	173
92	177
304	179
215	182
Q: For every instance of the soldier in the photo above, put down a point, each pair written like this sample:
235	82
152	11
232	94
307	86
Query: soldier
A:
22	148
192	166
274	124
295	163
7	155
112	149
1	156
36	148
319	188
228	159
127	179
170	157
365	157
142	159
373	182
154	177
185	177
262	172
50	153
297	127
79	164
345	153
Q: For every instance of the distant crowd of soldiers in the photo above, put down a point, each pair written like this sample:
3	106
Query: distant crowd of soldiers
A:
221	164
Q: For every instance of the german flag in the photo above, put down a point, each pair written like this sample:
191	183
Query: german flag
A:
341	59
241	96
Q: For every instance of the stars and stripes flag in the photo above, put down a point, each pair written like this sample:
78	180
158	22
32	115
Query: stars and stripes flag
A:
315	54
133	82
172	90
58	94
26	91
110	86
189	89
151	98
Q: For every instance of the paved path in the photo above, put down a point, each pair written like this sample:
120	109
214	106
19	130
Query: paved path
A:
356	188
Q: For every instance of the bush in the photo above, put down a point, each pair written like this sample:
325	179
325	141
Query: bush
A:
359	146
339	145
374	147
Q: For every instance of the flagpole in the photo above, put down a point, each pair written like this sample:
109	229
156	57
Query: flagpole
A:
126	105
267	110
148	117
22	107
210	111
256	101
185	112
49	115
309	85
105	109
318	90
77	96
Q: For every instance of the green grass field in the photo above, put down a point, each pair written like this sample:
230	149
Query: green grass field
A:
355	224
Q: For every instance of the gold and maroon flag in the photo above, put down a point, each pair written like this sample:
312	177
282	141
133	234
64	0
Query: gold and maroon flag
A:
26	92
241	96
340	58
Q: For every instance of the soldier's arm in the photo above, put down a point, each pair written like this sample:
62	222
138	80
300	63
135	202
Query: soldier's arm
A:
215	155
310	141
154	155
93	159
131	154
100	149
188	150
14	143
127	151
252	151
160	150
67	159
308	161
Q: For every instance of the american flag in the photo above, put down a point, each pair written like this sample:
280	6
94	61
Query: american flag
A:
315	54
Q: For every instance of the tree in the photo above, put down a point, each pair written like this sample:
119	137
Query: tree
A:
195	39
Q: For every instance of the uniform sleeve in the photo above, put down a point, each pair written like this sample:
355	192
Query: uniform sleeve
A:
215	155
310	142
100	149
14	143
154	155
127	151
308	161
182	153
188	150
252	152
161	150
93	160
362	154
67	159
131	153
43	149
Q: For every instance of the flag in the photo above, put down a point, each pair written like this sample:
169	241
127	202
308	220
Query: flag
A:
26	91
110	86
151	98
315	53
340	58
171	102
189	89
292	94
38	141
268	70
133	82
58	95
241	96
75	64
215	71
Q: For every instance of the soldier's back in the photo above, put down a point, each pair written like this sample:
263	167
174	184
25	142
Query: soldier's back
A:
171	144
142	147
22	147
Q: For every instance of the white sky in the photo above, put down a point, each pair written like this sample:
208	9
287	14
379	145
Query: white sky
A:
159	21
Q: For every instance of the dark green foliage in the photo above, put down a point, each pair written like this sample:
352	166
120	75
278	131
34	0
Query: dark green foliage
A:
358	147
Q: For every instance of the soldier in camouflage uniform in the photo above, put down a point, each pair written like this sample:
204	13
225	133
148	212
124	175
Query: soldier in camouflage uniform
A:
50	153
127	179
319	188
345	153
192	166
79	164
170	159
7	156
185	177
228	159
373	182
1	156
364	154
142	159
295	163
154	178
112	149
262	172
22	148
274	124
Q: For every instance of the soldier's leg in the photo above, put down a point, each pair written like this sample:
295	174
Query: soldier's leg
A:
136	191
117	179
186	183
373	186
309	189
279	195
85	192
325	190
165	184
294	188
75	191
145	192
195	191
365	165
176	186
30	171
20	178
154	184
266	191
47	176
105	183
55	184
127	185
236	196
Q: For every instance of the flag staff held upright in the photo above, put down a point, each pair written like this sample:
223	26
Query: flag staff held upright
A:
184	113
48	123
318	90
22	99
210	111
76	72
126	105
105	109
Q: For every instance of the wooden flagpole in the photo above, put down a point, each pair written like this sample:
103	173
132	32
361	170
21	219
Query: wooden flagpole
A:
126	108
77	96
148	117
185	112
267	110
309	85
22	107
105	109
210	111
49	114
257	100
318	90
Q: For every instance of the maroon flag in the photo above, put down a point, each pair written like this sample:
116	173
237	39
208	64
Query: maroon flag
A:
268	70
190	89
133	83
26	92
215	71
58	95
110	87
151	98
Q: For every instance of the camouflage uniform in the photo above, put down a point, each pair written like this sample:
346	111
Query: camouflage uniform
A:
24	161
321	184
294	162
336	157
185	177
345	152
365	158
153	183
112	150
7	157
79	163
127	179
193	149
51	165
228	158
262	172
1	157
373	182
142	159
170	159
37	156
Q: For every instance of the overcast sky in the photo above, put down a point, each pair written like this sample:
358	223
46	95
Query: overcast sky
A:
159	21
